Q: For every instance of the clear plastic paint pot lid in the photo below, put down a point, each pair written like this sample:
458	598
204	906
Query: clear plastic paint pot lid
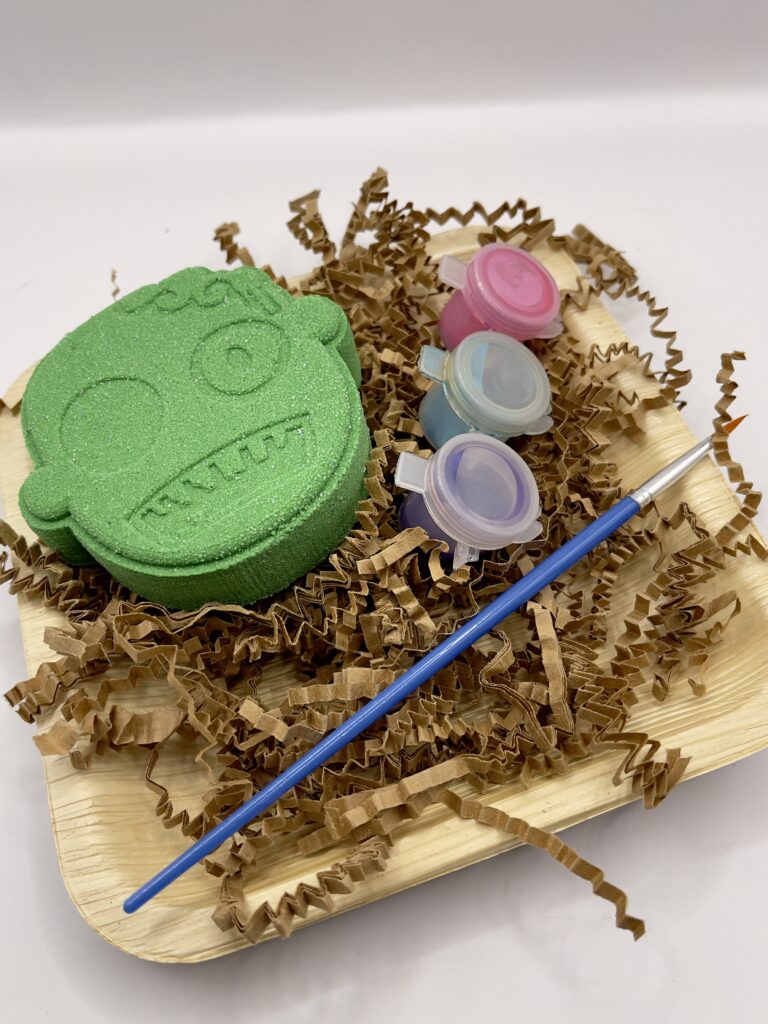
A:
477	489
498	385
514	286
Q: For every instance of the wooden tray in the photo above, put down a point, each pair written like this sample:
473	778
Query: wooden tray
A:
109	840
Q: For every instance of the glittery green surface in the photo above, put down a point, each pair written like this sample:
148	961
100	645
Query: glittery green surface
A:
202	438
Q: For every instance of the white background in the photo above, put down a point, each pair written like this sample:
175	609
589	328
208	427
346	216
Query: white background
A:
127	133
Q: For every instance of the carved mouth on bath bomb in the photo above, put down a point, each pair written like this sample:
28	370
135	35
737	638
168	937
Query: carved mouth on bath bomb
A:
238	476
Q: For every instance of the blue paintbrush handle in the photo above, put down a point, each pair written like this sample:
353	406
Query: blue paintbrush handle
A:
548	570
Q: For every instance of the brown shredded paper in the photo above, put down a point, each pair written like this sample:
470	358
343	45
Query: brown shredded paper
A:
551	686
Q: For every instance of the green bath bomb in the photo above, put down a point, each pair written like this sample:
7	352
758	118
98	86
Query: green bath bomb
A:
202	439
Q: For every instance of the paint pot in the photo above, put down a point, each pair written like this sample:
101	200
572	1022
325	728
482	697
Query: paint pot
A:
489	384
475	493
502	288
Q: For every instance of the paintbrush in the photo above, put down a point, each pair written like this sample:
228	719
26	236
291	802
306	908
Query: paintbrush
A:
544	573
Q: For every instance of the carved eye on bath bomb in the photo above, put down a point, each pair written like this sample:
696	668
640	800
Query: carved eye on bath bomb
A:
240	357
202	439
112	422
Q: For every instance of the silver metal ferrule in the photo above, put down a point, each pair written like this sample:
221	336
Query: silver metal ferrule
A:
659	482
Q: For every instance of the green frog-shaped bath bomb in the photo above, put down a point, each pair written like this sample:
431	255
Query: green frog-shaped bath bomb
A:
202	439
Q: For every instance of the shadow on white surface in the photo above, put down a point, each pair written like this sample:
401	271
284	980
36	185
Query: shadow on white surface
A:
87	61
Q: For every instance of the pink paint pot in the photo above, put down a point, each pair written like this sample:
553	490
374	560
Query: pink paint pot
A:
502	288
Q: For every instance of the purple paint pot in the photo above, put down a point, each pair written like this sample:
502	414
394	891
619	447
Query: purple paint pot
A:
475	493
503	289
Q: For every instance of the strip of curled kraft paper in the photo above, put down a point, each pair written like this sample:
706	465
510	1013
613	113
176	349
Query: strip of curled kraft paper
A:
556	682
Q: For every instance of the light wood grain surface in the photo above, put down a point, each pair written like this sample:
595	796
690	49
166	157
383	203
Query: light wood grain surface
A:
109	840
